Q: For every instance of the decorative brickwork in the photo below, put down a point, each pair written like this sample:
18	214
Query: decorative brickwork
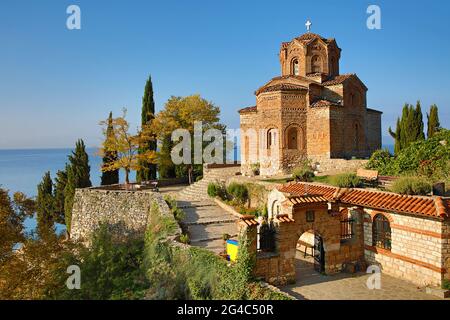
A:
310	111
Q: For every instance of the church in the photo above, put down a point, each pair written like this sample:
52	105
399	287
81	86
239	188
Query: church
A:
310	111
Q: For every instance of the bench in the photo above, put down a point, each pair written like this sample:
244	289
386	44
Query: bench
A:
307	246
370	177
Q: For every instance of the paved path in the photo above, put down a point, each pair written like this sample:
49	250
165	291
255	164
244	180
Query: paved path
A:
206	221
314	286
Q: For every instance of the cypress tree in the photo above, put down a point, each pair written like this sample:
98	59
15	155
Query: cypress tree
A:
148	170
58	194
418	124
110	177
45	207
166	168
397	137
433	121
78	176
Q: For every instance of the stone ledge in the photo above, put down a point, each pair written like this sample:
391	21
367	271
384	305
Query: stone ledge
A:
438	292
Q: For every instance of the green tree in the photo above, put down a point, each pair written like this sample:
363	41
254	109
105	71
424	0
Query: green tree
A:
78	176
433	121
183	113
148	170
409	127
126	145
418	124
12	215
109	177
166	168
58	195
45	207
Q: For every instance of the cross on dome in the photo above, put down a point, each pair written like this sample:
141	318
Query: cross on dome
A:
308	25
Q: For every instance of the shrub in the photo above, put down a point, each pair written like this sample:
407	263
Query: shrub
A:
446	284
304	172
381	160
255	168
411	186
238	192
345	180
184	238
217	189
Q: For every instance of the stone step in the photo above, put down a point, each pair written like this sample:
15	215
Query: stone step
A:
204	221
201	233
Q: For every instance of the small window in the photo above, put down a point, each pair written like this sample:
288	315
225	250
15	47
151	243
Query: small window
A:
310	216
292	138
381	232
271	138
295	68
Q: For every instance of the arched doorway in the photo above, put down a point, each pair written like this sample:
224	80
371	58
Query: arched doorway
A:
310	254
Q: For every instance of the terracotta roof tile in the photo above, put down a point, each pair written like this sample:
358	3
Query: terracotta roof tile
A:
325	103
301	189
284	218
420	205
248	109
305	199
338	79
281	87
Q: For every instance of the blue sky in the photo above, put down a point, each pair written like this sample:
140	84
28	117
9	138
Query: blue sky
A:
57	84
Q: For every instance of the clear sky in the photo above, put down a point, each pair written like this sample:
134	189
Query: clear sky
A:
57	84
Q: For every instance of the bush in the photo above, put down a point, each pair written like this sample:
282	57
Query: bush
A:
304	172
411	186
255	168
381	160
345	180
446	284
238	192
184	238
217	189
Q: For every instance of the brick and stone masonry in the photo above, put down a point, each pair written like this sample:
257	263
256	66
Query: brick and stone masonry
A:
311	111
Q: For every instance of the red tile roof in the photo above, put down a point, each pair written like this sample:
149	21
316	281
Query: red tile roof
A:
248	109
307	199
281	87
420	205
338	79
325	103
301	189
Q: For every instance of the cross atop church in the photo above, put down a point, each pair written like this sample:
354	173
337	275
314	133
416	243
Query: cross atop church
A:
308	25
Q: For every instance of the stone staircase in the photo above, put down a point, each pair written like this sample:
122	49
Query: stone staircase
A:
207	222
198	190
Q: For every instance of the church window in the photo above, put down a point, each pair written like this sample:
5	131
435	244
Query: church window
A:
295	67
271	138
316	64
357	133
292	136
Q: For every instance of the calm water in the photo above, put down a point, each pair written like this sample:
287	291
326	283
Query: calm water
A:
22	170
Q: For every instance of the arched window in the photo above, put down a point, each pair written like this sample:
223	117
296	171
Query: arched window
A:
295	67
316	64
292	138
356	138
332	68
271	138
381	232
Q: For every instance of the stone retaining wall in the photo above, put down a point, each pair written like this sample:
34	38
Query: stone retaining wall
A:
126	212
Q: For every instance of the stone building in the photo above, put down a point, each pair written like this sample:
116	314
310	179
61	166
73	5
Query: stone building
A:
406	236
311	110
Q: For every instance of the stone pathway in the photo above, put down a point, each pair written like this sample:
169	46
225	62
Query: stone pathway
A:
206	221
314	286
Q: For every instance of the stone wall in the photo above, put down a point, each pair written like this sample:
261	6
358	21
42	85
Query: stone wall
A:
419	248
125	212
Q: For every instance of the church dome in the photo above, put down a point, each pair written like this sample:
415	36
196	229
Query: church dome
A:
311	36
